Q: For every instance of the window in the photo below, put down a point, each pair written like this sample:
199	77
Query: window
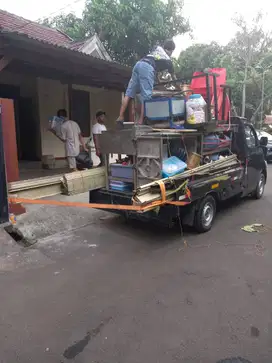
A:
250	137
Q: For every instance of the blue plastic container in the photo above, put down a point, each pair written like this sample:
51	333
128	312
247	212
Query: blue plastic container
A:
120	186
122	171
173	166
163	108
215	157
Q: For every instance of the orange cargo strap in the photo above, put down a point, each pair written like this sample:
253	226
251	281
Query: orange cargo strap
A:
136	208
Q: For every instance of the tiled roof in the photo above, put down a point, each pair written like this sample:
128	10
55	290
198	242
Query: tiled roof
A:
14	23
76	45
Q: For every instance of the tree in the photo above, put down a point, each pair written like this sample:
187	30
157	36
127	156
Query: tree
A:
198	57
248	47
69	24
128	29
247	58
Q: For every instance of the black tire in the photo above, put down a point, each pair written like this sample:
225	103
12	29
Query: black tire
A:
259	191
205	214
234	360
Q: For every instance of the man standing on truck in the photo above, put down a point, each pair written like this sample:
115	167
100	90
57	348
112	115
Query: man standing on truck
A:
71	136
143	76
98	128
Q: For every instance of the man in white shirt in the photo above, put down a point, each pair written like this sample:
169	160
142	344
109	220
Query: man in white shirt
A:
71	136
98	128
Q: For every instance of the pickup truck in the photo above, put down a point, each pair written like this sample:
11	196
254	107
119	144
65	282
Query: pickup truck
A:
248	177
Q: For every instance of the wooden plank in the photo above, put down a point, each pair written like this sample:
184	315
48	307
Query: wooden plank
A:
15	187
42	191
179	131
83	181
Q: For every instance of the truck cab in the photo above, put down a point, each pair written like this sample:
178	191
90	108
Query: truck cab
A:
250	150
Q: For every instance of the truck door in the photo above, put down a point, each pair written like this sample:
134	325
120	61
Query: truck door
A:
254	157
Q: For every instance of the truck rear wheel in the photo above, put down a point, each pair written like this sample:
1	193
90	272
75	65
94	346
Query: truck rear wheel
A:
205	214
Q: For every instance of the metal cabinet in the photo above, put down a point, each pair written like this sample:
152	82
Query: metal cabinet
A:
147	148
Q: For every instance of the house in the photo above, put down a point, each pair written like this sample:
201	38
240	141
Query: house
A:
92	46
13	23
42	70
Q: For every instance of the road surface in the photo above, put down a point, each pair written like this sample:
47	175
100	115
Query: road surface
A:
112	292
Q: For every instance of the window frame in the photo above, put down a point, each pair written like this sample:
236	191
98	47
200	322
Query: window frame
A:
254	134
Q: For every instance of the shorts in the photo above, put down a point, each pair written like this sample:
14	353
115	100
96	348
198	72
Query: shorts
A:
142	81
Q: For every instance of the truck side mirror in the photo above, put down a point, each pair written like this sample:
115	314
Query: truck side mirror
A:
263	141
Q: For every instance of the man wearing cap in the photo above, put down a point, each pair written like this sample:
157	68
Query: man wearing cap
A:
98	128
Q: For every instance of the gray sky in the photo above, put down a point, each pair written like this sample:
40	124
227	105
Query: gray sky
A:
210	19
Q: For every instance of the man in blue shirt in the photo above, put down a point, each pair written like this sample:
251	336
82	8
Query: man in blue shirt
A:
143	76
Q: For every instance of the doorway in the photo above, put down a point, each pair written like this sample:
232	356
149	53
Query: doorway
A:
28	130
80	110
27	127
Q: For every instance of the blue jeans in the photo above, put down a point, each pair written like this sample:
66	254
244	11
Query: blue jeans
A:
142	81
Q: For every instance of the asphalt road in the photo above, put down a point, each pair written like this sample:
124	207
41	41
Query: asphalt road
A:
112	292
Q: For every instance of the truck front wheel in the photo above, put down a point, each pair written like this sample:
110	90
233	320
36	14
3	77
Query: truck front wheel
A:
205	214
259	191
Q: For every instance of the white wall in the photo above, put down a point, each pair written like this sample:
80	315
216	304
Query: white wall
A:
53	95
103	99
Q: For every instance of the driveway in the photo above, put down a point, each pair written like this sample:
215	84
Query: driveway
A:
111	292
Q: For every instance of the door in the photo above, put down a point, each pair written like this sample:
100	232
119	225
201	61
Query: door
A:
80	111
12	93
254	158
4	215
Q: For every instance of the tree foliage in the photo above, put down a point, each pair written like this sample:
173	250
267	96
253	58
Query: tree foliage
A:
247	58
69	24
127	28
198	57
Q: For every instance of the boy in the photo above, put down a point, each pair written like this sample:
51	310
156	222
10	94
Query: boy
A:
98	128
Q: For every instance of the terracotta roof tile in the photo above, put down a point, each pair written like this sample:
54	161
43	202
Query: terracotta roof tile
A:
76	45
13	23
